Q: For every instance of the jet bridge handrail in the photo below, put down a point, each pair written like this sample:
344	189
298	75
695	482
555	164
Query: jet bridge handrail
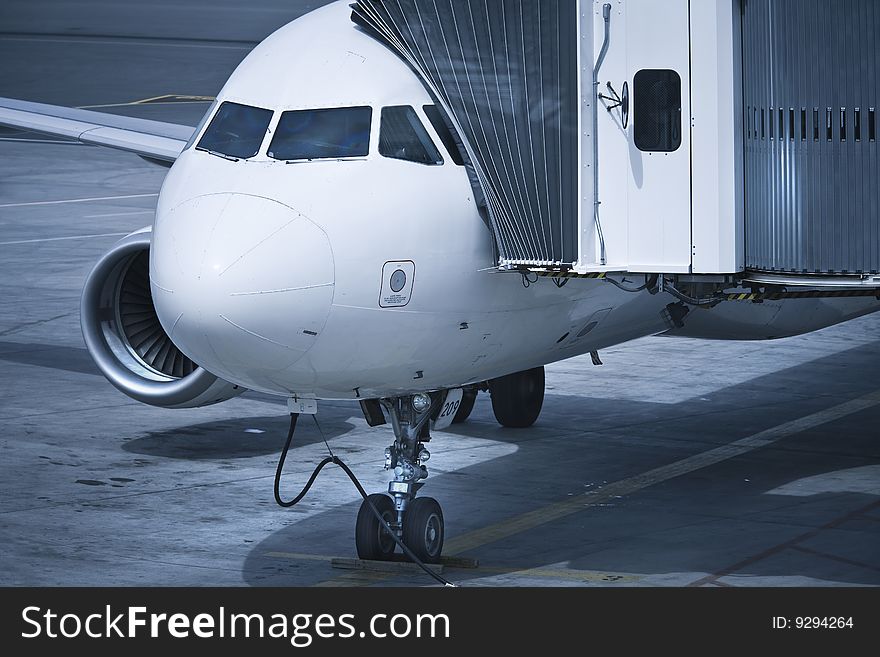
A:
606	16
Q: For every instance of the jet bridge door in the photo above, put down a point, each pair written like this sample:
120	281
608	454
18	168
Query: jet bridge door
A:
645	183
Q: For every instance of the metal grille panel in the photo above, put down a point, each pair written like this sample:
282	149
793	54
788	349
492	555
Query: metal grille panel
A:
811	73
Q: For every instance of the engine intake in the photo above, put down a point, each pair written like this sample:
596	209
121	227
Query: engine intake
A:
123	335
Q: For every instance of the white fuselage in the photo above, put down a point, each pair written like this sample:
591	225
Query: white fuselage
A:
277	275
269	274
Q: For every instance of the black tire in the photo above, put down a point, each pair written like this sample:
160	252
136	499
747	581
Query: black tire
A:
423	529
517	398
468	399
372	540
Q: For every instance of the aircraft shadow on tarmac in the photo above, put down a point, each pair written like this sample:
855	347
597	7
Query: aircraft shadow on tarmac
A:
703	522
70	359
714	522
645	538
235	438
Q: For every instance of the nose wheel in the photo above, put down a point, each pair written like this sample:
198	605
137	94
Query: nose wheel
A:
373	541
416	521
423	529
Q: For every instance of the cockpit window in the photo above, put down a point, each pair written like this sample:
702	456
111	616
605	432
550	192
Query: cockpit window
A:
322	134
450	139
403	137
198	129
236	131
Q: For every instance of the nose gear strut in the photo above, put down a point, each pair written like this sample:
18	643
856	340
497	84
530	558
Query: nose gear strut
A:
419	521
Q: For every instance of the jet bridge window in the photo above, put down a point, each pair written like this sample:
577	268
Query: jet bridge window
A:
322	134
236	131
657	110
403	137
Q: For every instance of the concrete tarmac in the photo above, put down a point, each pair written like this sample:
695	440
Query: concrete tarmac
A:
679	462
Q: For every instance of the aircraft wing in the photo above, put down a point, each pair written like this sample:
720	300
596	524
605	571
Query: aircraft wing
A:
153	140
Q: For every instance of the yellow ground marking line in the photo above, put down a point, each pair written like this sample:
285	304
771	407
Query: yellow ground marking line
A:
178	98
562	573
298	556
189	97
354	578
359	578
547	514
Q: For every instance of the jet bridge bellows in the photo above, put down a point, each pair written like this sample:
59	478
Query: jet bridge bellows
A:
507	74
677	137
812	173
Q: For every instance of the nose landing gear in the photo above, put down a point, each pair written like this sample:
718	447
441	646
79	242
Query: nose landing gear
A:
417	521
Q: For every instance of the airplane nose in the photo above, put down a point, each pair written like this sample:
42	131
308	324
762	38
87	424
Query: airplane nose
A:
242	284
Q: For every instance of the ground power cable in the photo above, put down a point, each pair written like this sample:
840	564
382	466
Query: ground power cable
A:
335	460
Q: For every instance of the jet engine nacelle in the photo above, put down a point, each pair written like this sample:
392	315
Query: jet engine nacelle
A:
123	334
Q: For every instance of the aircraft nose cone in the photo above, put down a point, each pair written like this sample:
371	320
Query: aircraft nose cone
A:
242	284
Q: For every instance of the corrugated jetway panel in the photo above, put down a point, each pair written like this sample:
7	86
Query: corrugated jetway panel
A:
812	86
507	73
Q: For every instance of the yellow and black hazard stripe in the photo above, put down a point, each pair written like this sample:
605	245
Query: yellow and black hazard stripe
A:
806	294
567	274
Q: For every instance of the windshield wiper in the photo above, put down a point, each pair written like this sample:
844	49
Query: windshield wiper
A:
218	154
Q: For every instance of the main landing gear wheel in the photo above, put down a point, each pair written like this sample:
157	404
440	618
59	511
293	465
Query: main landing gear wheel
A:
517	398
373	541
423	529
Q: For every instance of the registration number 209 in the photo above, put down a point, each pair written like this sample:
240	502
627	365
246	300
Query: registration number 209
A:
450	407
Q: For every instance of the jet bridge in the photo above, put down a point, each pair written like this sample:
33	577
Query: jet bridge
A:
720	137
